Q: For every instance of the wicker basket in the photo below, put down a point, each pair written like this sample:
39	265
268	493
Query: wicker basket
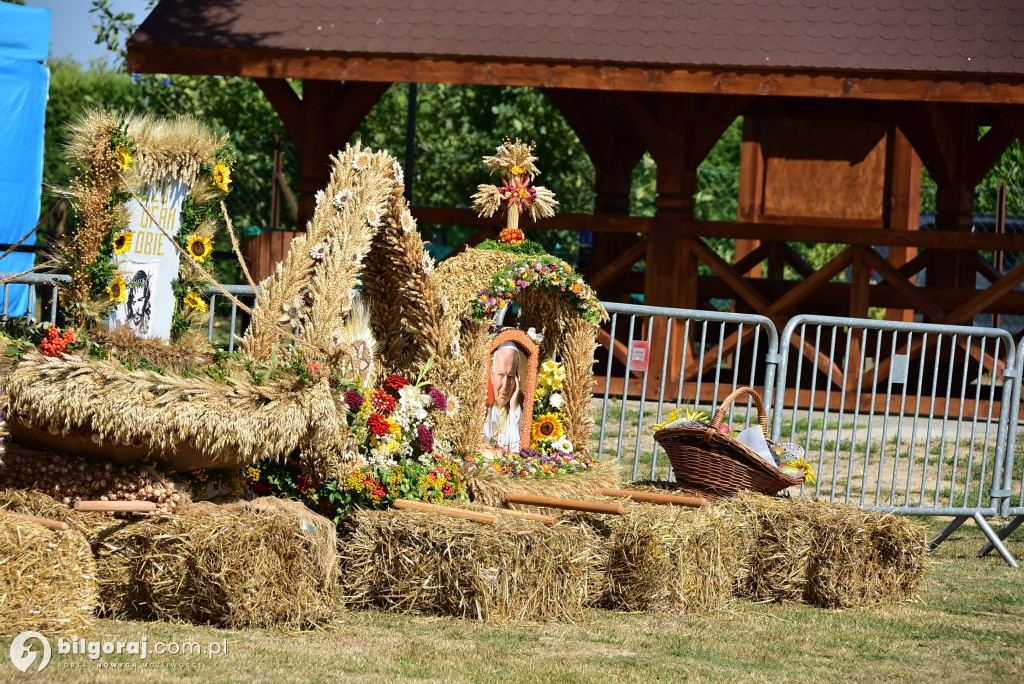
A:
710	462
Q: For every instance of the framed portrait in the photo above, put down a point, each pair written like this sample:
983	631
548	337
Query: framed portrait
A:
512	361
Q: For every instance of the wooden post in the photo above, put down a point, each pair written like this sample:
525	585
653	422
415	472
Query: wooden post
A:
904	206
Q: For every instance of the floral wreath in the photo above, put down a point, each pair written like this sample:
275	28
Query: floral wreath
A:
543	272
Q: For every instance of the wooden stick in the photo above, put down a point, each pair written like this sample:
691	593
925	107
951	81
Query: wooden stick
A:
424	507
116	506
653	497
55	525
508	512
566	504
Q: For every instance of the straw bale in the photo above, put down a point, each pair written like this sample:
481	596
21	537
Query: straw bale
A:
262	563
663	558
490	488
830	555
47	579
429	564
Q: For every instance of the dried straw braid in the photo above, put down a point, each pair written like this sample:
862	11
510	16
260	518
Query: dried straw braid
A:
233	424
404	293
90	194
577	352
322	267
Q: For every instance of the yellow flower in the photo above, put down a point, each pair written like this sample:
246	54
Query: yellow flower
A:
552	374
194	300
516	170
122	242
252	473
393	427
799	468
62	297
673	416
222	176
116	290
123	156
692	414
548	426
199	248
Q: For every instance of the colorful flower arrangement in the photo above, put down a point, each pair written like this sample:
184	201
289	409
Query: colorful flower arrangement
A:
535	463
545	272
548	432
393	424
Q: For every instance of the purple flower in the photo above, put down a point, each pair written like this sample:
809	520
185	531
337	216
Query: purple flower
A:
353	400
438	399
424	437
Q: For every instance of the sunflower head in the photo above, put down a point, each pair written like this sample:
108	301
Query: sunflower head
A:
222	176
117	290
199	248
123	156
548	426
122	242
195	301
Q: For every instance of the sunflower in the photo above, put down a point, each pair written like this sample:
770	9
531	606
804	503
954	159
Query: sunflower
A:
798	468
123	242
195	301
548	426
116	290
199	248
123	156
222	176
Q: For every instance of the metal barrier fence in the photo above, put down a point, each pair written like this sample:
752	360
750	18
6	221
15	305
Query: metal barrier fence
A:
693	359
925	421
921	419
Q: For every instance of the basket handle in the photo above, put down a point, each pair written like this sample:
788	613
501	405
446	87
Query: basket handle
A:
762	417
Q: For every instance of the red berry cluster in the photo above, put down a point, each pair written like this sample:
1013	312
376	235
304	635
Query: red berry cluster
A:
512	236
53	343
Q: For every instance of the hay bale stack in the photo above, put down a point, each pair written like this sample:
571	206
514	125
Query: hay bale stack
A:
664	558
47	579
830	555
261	563
429	564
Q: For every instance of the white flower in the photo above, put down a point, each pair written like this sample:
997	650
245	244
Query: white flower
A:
408	222
319	251
428	263
373	216
361	160
556	400
456	349
562	444
292	311
453	405
319	198
357	256
342	198
399	174
337	338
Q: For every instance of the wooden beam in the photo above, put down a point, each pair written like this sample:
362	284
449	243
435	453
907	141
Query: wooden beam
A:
598	223
620	265
933	239
987	152
913	294
286	103
256	63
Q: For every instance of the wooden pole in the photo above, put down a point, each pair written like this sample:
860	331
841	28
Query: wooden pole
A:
116	506
423	507
565	504
653	497
55	525
508	512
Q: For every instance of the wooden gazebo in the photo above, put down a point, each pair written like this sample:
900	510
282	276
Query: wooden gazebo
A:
842	104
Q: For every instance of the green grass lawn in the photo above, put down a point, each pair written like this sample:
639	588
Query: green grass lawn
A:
967	626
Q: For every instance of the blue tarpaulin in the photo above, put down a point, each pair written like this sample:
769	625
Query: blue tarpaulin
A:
24	82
